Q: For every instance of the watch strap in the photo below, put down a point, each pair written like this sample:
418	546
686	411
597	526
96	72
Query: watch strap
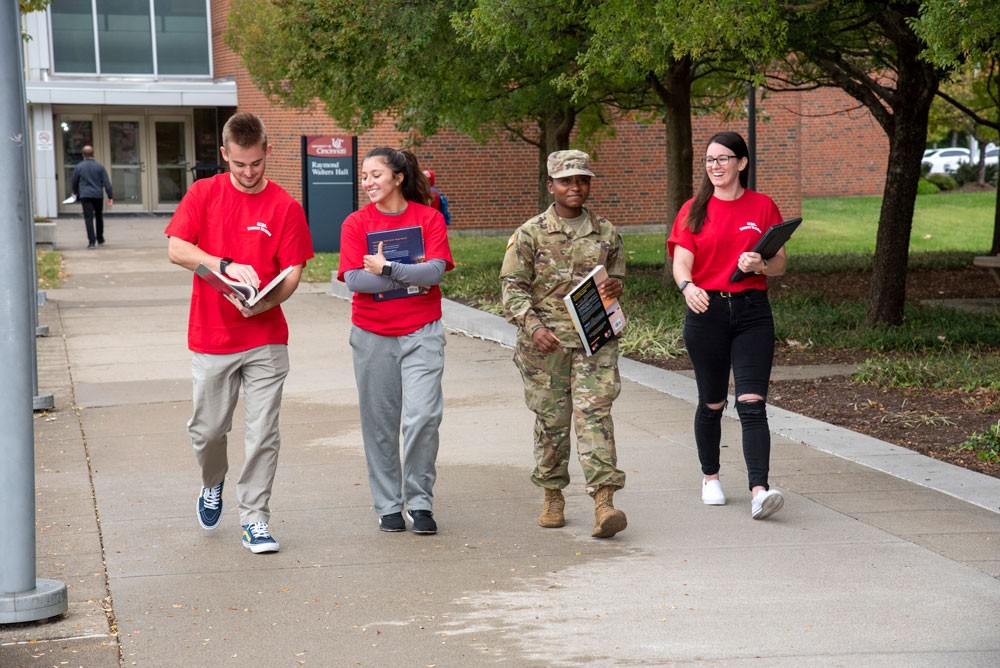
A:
223	264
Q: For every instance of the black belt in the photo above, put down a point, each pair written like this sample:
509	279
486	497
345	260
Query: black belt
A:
723	294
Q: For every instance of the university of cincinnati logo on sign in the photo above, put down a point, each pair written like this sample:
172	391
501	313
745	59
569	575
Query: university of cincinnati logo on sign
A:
329	147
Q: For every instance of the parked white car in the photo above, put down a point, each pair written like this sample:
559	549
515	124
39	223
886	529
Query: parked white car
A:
946	160
991	156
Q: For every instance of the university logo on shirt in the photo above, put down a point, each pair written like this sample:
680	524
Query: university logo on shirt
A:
259	227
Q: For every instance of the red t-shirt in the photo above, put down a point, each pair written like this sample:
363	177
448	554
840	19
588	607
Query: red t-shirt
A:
393	317
266	230
731	227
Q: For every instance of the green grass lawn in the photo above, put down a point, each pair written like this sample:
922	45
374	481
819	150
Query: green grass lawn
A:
49	269
848	225
947	221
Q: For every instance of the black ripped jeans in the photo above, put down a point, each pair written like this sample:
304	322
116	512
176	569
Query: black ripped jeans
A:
736	332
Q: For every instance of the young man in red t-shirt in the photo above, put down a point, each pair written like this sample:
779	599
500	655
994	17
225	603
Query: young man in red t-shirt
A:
249	229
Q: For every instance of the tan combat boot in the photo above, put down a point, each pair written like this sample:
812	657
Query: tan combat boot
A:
552	511
608	520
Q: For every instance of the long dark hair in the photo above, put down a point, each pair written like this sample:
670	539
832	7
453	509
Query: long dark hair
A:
699	207
415	187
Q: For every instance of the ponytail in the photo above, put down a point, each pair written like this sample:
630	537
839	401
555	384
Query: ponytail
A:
415	187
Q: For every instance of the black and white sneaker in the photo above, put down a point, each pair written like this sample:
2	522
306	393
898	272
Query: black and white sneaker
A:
423	522
392	522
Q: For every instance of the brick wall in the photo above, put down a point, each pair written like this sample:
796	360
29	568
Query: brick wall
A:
846	151
804	149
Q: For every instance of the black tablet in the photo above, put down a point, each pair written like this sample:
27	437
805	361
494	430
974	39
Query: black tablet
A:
769	244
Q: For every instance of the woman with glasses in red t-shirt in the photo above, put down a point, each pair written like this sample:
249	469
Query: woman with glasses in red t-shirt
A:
728	325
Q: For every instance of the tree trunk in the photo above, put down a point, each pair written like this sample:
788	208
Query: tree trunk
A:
917	83
674	93
995	248
555	130
892	246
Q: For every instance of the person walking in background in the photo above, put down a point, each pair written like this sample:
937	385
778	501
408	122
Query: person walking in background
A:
90	182
728	325
546	257
438	201
397	344
250	229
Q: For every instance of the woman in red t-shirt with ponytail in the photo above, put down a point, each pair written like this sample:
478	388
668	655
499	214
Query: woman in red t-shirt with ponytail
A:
397	344
728	325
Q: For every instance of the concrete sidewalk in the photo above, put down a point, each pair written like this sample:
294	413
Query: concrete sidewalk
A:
881	557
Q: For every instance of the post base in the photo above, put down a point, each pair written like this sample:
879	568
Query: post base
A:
47	599
43	402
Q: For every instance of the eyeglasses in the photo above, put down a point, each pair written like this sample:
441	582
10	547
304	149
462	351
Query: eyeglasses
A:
722	160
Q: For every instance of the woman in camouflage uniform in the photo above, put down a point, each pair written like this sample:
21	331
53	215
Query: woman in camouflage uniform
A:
546	257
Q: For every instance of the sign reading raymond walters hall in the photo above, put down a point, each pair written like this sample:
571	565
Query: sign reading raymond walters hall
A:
329	186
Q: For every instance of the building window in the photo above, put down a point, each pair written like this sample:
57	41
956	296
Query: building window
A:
182	37
124	36
73	36
111	37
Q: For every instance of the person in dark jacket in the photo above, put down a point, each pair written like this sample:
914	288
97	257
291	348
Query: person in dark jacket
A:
89	179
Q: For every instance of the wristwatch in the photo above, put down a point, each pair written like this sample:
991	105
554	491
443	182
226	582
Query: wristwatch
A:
387	268
223	263
683	285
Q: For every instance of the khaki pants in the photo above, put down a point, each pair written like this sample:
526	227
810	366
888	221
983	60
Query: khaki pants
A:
217	379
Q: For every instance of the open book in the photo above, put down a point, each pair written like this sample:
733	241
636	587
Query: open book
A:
597	320
247	294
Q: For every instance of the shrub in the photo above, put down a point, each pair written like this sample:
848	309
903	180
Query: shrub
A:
969	173
942	181
925	187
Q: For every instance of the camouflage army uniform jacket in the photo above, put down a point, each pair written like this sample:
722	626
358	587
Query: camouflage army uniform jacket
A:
545	259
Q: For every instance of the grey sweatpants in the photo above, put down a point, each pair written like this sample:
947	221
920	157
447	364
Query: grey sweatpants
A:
217	380
399	382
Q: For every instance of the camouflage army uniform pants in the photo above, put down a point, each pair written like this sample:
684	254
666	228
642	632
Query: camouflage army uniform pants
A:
564	387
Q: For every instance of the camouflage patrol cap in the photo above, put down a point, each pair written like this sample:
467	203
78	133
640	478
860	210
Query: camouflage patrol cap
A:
568	163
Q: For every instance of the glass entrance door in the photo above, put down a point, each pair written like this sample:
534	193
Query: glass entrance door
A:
74	135
127	164
149	155
172	175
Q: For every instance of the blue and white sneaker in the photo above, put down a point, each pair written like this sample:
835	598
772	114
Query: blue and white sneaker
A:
210	506
257	538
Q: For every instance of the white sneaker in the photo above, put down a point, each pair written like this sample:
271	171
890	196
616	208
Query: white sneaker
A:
712	494
766	504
